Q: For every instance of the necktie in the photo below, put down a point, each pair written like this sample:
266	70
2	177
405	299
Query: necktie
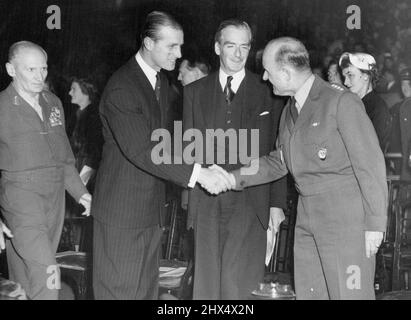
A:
158	87
229	93
293	109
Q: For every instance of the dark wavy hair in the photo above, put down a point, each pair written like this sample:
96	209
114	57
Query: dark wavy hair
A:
87	87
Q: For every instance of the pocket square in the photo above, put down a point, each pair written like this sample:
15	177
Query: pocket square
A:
264	113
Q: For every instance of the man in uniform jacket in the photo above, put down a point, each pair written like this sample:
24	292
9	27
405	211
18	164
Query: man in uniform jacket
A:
230	230
37	165
327	142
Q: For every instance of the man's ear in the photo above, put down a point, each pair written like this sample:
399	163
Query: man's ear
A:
287	73
217	48
148	43
10	69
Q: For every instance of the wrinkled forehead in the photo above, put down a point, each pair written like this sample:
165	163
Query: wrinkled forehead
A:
30	56
238	34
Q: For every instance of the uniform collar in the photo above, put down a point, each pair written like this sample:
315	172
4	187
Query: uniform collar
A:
18	98
302	94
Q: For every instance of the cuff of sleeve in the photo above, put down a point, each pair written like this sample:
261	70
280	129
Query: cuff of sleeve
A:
374	223
194	175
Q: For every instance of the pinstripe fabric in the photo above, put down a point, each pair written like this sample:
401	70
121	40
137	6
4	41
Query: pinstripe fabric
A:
230	235
130	189
130	274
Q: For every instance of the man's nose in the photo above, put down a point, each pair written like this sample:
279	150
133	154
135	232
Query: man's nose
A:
237	52
265	76
40	75
178	53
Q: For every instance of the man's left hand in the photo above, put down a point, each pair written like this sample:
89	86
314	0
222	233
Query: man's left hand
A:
85	201
276	217
373	241
7	232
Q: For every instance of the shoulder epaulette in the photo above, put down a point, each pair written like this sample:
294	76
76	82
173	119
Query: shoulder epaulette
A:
337	86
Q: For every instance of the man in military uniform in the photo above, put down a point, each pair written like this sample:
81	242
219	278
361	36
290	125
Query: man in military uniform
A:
37	165
400	141
327	142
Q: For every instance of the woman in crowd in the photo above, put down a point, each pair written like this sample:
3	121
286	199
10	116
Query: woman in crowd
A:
86	140
361	75
334	73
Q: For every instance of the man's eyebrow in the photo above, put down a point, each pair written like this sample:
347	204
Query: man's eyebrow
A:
233	43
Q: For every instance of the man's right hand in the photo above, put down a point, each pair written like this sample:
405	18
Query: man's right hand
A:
7	232
215	179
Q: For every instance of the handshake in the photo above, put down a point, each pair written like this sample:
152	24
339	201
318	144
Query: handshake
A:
216	180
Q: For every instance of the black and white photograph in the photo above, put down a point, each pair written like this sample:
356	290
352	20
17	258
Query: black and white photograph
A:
218	153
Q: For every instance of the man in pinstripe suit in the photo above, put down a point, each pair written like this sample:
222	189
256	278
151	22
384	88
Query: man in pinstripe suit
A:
130	189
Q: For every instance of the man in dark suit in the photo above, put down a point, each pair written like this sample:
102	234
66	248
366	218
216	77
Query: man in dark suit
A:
37	165
230	230
130	189
327	142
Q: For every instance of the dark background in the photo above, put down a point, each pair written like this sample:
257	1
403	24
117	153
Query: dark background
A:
97	36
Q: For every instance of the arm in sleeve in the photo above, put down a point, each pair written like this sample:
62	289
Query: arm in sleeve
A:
366	158
130	128
263	170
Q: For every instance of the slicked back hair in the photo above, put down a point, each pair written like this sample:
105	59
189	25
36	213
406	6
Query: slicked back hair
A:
154	22
232	23
17	46
292	52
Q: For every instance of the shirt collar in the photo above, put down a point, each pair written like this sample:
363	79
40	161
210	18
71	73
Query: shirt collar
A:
302	94
150	73
235	83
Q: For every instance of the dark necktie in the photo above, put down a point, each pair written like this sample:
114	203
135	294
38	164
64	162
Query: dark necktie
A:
158	87
229	93
293	109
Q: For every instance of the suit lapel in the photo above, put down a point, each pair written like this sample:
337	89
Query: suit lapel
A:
310	104
248	96
143	85
209	101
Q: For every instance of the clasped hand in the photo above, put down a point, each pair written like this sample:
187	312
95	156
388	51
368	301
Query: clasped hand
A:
216	180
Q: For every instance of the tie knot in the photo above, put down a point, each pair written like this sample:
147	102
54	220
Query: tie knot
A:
229	78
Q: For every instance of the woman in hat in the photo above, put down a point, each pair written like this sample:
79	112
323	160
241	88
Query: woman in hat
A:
361	75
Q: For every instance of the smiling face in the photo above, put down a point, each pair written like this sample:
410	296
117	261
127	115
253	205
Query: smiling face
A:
77	96
233	48
28	70
164	51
